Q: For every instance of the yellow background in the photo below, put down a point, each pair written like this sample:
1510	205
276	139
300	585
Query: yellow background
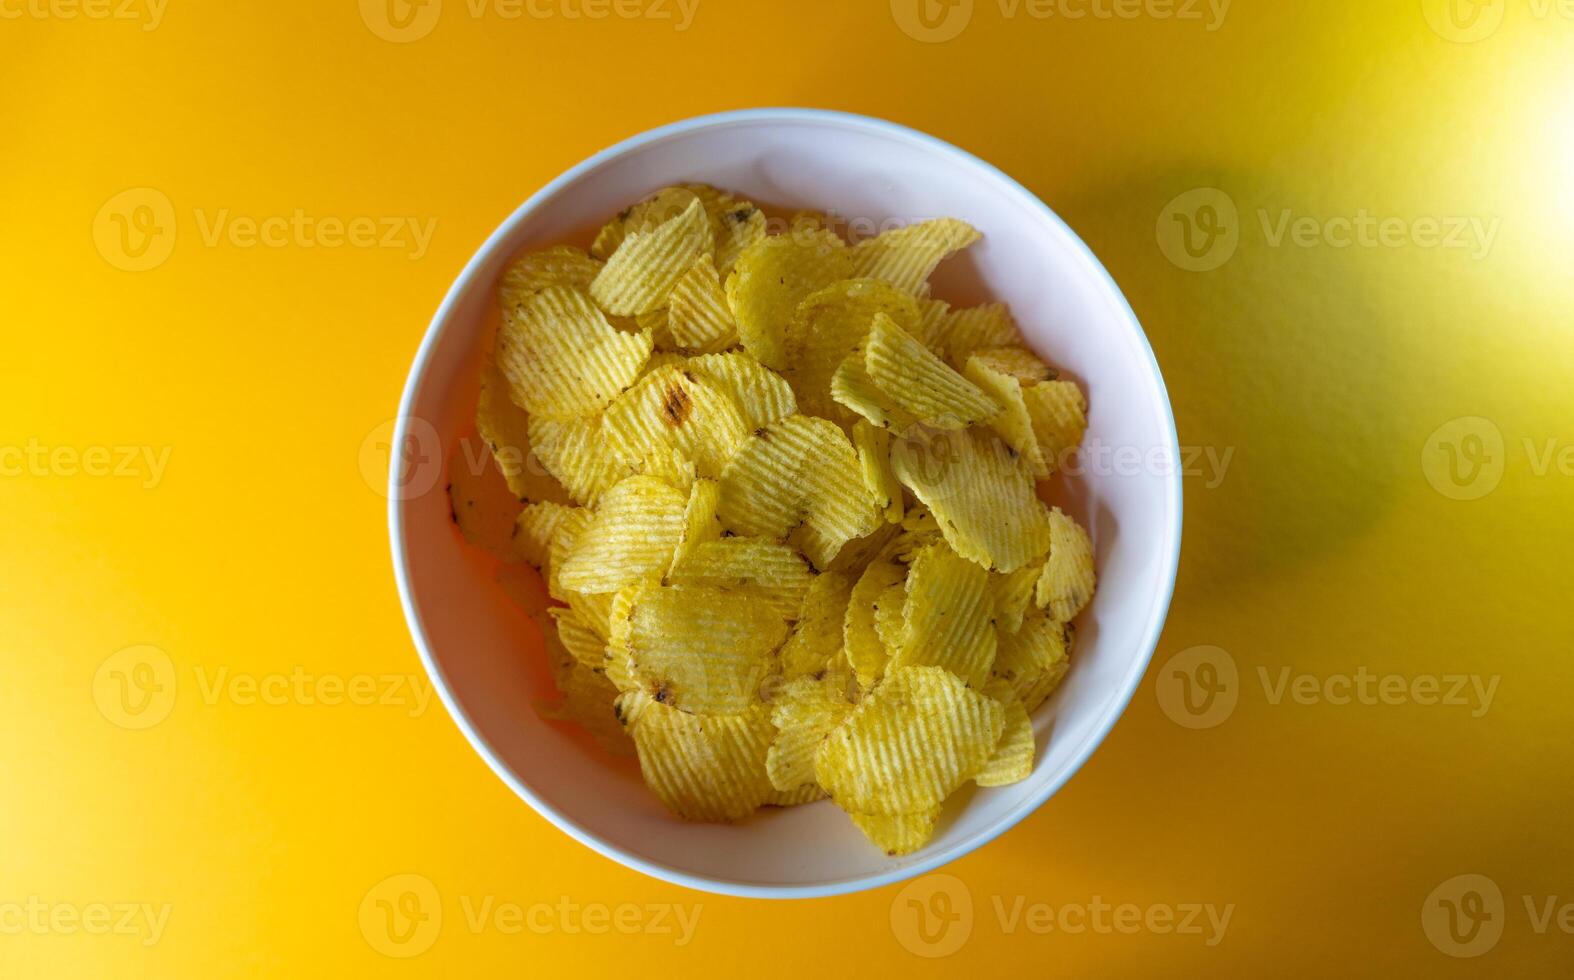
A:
268	372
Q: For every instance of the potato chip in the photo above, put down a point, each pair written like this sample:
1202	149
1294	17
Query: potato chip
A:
575	452
589	701
763	395
1013	595
867	652
562	358
640	275
699	518
549	534
1013	424
913	740
763	569
798	478
1067	581
921	383
817	636
702	768
481	505
807	793
698	318
1034	658
853	389
947	617
647	215
856	554
1059	413
888	621
956	334
1012	761
830	325
905	257
578	638
560	265
701	649
874	459
898	833
674	413
981	493
635	531
506	429
1018	362
771	278
736	223
804	711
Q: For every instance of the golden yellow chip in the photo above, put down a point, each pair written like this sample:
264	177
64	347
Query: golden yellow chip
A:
576	453
556	532
1068	578
697	317
701	649
906	256
1034	658
874	458
804	711
981	493
1013	758
913	739
481	504
1018	362
702	768
888	617
589	701
817	636
956	334
771	278
921	383
1013	595
635	531
765	570
866	649
1013	424
639	276
648	214
675	413
831	325
853	389
898	833
699	518
856	554
560	265
562	358
736	223
807	793
578	638
763	395
798	478
506	429
947	616
1059	413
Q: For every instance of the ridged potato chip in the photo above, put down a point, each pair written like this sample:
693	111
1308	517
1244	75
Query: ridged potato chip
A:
1013	595
829	326
905	257
771	278
867	652
798	478
947	616
736	223
817	635
506	429
913	740
576	453
981	493
956	334
921	383
898	833
578	638
702	768
560	265
853	389
635	531
700	649
589	701
1059	413
670	413
804	711
765	570
888	621
1068	580
648	214
1018	362
763	395
1012	761
874	458
698	319
856	554
699	518
1034	658
807	793
562	358
639	276
1013	424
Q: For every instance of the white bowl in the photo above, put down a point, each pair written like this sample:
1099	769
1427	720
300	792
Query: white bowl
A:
483	656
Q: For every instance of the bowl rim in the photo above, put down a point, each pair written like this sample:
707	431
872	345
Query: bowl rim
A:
841	886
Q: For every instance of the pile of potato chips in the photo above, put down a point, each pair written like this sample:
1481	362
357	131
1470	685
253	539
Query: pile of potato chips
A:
788	502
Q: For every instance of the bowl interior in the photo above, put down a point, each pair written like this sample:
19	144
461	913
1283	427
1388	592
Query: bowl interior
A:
487	656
